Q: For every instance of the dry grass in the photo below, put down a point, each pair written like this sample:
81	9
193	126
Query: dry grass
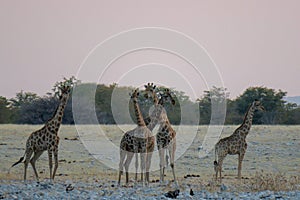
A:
275	182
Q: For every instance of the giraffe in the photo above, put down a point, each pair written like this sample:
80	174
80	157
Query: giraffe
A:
138	140
166	136
46	138
236	143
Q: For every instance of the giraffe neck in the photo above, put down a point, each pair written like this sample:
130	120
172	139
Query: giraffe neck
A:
155	99
152	120
155	117
158	115
247	123
138	114
58	115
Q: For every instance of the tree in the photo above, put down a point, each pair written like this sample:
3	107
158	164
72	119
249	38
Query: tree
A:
291	115
23	98
232	116
37	111
33	109
103	103
216	96
111	105
5	112
272	101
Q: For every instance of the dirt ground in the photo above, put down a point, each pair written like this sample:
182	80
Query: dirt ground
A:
273	149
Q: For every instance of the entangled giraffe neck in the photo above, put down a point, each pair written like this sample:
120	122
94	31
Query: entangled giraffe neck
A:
138	113
152	120
155	99
158	115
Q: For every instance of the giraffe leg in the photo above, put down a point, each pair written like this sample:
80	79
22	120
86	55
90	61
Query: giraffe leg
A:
136	166
172	148
55	162
28	156
216	169
161	152
220	163
241	157
50	162
148	165
121	164
143	166
36	155
127	163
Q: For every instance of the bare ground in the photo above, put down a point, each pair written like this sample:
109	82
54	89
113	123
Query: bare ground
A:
272	151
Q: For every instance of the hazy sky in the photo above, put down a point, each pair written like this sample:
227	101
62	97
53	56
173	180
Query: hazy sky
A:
253	43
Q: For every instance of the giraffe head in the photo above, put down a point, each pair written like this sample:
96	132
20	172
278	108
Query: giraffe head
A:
63	89
135	94
257	105
150	91
166	96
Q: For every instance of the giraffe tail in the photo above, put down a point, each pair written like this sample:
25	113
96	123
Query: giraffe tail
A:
21	159
215	162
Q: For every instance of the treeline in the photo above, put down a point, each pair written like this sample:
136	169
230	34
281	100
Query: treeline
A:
29	108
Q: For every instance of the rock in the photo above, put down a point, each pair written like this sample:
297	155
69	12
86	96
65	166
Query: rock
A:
69	188
191	192
172	194
2	196
223	188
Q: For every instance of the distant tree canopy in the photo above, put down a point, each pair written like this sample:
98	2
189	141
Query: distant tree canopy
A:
29	108
5	111
277	110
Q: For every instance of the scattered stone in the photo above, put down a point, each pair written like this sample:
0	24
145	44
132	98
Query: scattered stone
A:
223	188
104	190
69	188
2	196
71	138
191	192
172	194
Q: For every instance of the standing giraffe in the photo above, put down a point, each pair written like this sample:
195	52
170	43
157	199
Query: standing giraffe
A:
236	143
138	140
46	138
166	136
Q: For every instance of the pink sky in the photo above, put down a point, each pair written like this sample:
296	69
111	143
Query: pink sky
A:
253	43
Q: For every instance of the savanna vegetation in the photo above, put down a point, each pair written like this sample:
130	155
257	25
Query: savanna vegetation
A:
29	108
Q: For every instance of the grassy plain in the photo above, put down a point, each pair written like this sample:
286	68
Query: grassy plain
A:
273	151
